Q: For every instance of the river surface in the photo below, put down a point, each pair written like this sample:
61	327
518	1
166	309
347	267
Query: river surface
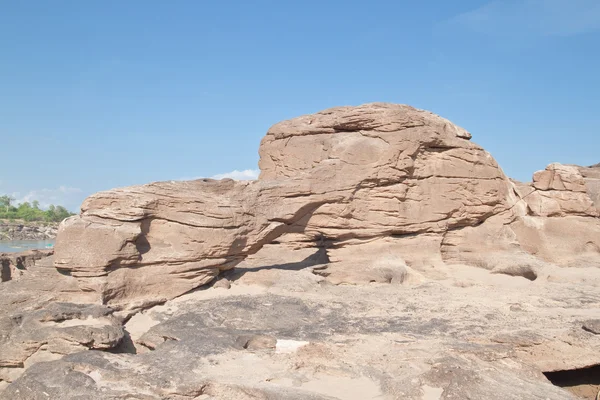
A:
14	246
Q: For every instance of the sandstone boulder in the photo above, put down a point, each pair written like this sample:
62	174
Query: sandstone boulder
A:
154	242
392	192
408	170
553	220
559	190
592	183
351	172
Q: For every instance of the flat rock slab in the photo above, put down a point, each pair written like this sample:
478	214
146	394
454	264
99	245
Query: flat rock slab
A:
438	339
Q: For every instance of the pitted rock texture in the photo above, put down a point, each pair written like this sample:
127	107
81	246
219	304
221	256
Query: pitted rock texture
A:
37	323
346	173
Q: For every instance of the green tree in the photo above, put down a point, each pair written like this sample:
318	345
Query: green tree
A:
31	211
62	213
6	201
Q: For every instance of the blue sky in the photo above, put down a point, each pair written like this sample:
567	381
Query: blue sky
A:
96	95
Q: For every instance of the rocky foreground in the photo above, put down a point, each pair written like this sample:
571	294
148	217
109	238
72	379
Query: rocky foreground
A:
381	255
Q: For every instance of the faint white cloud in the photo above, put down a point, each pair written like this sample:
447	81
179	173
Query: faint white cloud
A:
66	196
516	18
245	175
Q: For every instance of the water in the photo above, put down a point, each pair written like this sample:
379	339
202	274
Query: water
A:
15	246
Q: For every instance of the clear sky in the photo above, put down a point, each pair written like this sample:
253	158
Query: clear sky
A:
100	94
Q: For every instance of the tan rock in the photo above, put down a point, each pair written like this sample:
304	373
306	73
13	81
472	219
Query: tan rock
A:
559	177
592	326
157	241
380	179
558	191
222	283
567	241
592	183
409	170
380	255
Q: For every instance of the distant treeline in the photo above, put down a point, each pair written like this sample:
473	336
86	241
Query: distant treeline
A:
31	211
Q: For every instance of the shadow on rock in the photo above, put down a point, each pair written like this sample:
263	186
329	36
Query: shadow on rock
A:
320	257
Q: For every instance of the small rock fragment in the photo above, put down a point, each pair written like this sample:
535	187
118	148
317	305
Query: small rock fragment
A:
592	325
289	346
257	342
222	283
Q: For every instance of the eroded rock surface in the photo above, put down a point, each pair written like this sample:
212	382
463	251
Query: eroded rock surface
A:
15	265
381	255
37	322
284	332
559	190
346	173
592	182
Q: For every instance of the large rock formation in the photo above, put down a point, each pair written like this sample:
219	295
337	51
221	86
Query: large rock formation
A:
405	171
558	191
358	180
554	221
463	283
365	172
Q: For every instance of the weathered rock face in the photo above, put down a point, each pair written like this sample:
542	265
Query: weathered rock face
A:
38	324
358	180
557	191
408	170
282	332
554	221
14	265
459	279
592	183
351	172
157	241
48	334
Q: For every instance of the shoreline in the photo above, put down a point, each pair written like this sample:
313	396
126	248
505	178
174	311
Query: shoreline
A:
27	231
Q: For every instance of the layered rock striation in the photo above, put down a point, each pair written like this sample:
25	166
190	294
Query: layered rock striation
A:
346	173
383	187
380	255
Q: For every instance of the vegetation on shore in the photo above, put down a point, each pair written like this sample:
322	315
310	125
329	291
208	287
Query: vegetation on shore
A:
31	211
